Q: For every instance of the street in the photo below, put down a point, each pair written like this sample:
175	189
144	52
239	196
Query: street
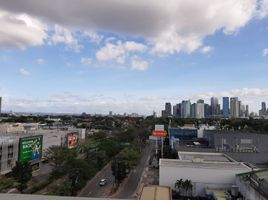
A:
129	187
126	190
92	189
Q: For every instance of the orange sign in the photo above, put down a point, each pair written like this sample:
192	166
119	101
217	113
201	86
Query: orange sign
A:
159	133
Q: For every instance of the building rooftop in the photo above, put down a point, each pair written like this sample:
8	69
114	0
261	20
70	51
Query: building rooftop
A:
204	157
204	160
155	192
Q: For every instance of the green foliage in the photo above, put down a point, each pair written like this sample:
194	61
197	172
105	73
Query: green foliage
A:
7	183
184	185
57	155
22	172
119	169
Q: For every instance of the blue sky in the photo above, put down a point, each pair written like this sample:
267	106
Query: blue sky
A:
132	56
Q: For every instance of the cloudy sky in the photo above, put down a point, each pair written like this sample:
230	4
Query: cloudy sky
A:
130	56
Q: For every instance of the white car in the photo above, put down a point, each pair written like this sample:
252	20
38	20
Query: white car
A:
103	182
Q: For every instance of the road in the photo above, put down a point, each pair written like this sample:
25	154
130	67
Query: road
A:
92	189
130	185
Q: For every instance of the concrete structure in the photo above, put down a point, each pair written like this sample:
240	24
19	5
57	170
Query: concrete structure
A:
234	107
242	146
155	192
193	110
253	185
8	153
205	170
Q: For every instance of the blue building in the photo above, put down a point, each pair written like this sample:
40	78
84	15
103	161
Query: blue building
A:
225	107
181	134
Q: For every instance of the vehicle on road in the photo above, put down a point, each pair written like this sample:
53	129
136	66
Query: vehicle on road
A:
103	182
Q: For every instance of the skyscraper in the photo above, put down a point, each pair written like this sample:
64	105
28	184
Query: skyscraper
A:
168	109
214	105
193	110
263	109
234	107
225	107
200	109
185	109
247	111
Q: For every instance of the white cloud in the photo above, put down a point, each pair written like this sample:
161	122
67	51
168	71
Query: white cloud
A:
20	30
206	49
64	36
24	72
173	27
86	61
119	51
264	52
94	37
139	64
40	61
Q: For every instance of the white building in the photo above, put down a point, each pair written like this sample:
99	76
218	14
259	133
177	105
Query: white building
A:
205	170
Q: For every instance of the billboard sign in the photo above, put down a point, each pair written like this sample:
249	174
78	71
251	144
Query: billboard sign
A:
72	140
30	148
159	127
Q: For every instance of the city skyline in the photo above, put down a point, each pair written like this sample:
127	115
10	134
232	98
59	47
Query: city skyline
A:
132	57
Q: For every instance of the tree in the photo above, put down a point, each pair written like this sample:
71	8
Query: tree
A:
178	185
23	173
187	186
119	169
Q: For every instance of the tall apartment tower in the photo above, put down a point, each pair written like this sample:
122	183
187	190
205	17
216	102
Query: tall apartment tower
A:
234	107
247	111
214	103
225	107
263	109
168	109
200	109
185	109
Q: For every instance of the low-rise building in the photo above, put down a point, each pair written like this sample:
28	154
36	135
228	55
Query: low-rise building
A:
205	170
253	185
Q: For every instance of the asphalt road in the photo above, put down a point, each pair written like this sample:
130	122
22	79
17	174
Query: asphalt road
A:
130	185
92	189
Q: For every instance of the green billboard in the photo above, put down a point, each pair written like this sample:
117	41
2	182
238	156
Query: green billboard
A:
30	148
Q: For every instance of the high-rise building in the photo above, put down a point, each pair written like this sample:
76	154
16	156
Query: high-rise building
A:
214	105
207	110
200	109
247	111
185	109
225	107
234	107
263	109
193	110
177	110
168	109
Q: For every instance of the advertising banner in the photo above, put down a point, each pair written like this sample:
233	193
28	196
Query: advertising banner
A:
30	148
72	140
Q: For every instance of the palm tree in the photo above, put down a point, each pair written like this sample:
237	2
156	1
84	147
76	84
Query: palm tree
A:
188	186
178	185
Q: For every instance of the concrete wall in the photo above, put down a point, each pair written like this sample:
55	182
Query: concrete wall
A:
9	156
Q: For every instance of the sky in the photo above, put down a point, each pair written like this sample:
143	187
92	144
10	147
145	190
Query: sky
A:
127	56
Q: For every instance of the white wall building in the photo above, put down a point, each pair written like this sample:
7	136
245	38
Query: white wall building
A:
205	170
